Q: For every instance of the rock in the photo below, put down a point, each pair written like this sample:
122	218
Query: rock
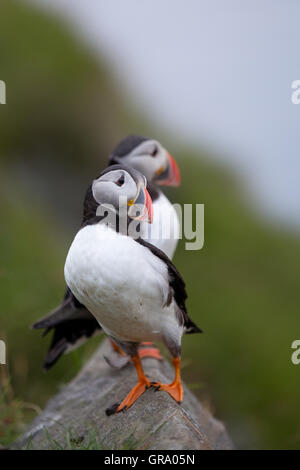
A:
75	418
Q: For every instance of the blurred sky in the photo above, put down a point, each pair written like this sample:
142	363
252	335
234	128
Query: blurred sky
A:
215	72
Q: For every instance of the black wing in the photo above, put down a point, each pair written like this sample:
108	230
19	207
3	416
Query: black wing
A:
177	288
72	324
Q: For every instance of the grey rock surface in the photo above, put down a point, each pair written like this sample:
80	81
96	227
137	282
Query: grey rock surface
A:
76	416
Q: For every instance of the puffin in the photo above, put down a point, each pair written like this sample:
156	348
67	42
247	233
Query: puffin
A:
151	159
130	286
71	321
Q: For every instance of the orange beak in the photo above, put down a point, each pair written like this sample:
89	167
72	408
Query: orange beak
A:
143	205
148	206
170	176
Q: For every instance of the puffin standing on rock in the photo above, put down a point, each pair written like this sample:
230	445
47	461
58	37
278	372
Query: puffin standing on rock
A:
130	286
71	321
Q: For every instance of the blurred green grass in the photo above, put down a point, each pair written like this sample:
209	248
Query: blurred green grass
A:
243	290
63	115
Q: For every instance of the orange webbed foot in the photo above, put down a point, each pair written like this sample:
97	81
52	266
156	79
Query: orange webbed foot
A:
149	350
142	385
130	399
174	389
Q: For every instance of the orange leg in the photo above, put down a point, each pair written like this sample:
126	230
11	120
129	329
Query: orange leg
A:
174	388
116	347
142	385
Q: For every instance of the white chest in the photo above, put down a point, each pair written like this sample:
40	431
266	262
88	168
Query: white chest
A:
164	232
118	280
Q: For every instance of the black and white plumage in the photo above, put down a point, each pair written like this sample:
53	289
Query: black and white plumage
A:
150	158
130	286
71	321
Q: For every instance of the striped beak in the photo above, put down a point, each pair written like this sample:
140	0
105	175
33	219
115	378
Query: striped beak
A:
141	208
170	175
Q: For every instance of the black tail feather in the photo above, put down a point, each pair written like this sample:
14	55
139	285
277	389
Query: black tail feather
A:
72	324
69	309
191	327
54	354
67	336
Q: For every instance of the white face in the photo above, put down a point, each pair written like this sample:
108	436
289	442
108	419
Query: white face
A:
149	158
116	184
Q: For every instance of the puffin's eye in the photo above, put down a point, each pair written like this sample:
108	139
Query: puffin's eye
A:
154	152
120	181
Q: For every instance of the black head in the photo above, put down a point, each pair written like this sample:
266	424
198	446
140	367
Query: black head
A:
117	188
149	157
125	147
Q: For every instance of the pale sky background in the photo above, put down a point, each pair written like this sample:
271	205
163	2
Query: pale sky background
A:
218	73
